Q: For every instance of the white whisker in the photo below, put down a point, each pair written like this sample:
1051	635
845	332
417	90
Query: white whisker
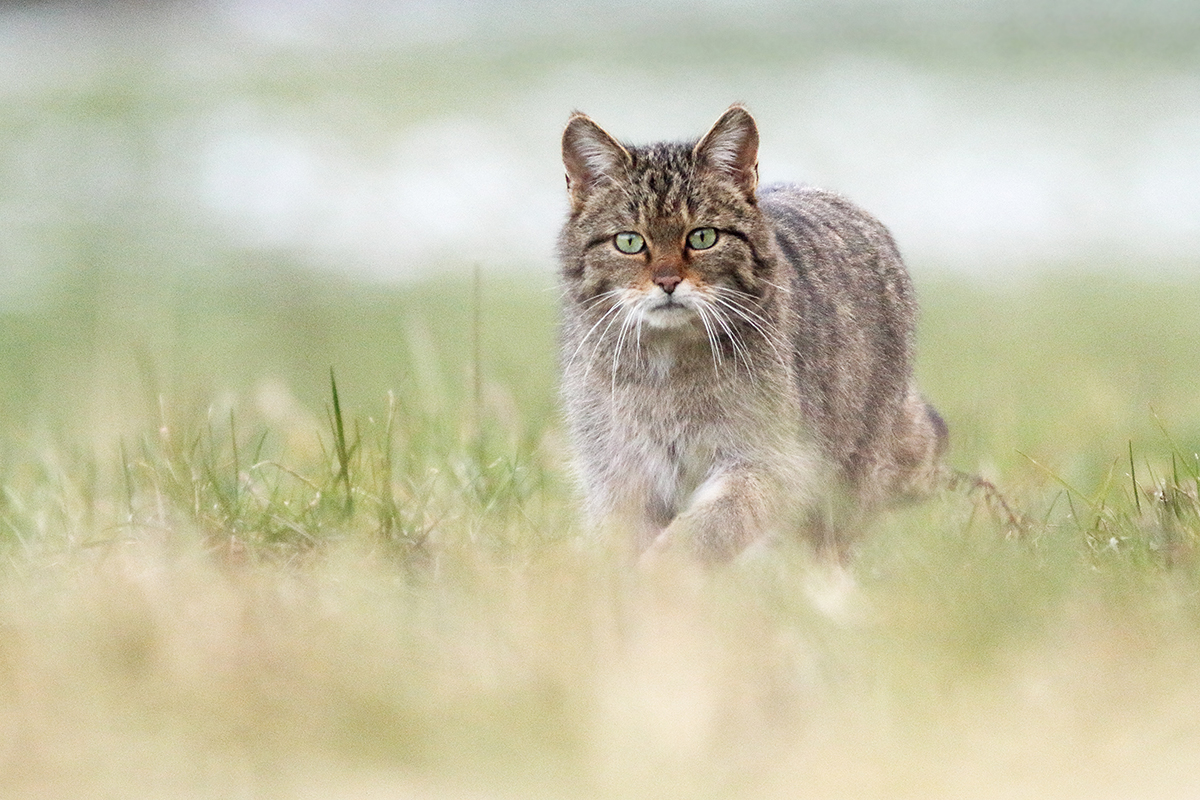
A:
739	347
602	296
638	337
630	314
592	330
758	327
617	308
768	283
755	320
712	337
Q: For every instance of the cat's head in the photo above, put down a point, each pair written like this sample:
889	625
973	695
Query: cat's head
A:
667	231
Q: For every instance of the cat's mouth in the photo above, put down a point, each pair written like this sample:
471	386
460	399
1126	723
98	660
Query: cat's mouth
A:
668	312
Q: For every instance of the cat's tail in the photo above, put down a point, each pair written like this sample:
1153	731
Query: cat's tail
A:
920	439
940	429
927	439
955	480
973	485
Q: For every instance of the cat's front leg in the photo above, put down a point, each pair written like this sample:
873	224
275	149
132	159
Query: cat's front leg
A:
630	524
729	511
629	512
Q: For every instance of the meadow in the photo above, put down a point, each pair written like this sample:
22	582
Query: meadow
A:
284	501
223	575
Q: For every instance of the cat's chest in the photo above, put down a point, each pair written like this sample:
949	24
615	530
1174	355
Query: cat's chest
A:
687	427
673	452
672	434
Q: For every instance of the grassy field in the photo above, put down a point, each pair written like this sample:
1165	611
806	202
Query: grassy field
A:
216	581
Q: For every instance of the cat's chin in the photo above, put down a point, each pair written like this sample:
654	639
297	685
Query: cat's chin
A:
669	316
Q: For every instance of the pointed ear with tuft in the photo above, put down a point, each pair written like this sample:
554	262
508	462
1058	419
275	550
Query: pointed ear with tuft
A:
731	148
590	155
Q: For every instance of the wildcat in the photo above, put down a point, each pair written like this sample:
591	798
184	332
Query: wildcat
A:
736	360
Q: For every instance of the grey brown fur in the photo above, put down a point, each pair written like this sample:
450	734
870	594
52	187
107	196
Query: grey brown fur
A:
720	394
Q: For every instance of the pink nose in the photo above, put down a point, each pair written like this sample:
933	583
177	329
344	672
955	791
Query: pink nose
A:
668	282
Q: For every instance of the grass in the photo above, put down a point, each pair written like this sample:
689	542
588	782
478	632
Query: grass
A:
225	572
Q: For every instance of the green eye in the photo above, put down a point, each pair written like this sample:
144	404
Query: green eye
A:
702	238
629	242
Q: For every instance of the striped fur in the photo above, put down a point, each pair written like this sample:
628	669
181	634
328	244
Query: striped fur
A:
721	394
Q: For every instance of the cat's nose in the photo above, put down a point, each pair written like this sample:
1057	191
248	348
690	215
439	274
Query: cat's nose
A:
667	282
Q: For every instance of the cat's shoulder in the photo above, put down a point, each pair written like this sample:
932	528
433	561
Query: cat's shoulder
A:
780	198
799	208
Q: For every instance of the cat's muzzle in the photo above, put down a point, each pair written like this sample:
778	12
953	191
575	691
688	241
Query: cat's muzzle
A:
668	310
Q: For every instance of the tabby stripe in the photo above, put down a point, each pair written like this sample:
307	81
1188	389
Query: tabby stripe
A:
760	266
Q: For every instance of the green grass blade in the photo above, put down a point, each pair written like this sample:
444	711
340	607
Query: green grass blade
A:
342	450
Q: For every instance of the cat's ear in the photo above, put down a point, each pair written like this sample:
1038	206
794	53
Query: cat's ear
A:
731	148
590	155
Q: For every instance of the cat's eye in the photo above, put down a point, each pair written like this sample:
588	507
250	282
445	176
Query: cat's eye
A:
702	238
629	242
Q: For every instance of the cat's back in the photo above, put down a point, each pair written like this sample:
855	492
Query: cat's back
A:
844	261
819	230
855	313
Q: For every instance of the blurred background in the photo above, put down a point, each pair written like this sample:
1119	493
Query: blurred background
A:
206	205
201	196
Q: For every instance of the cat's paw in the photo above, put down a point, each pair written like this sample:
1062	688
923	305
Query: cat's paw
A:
659	547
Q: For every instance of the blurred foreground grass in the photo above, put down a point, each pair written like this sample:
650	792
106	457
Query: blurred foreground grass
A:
210	588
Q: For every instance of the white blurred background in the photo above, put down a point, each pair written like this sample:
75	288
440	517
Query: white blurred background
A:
398	140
